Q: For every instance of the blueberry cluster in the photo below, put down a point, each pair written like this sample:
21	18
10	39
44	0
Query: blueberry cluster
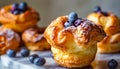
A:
112	64
73	20
37	60
98	9
24	52
19	8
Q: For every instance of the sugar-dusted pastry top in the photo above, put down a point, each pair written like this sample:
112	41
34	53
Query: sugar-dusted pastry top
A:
34	39
33	34
61	35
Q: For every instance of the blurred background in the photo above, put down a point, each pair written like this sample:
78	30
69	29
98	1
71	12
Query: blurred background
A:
51	9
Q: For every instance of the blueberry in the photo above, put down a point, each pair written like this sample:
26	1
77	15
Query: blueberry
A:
105	13
16	12
15	5
67	24
72	17
32	57
97	9
39	61
24	52
11	53
112	64
78	22
23	6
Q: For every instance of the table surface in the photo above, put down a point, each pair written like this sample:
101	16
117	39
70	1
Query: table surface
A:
100	61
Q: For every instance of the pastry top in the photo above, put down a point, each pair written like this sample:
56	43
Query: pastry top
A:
109	21
8	40
7	35
81	32
33	34
7	16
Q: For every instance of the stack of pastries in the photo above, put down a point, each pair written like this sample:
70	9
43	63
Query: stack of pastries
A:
111	25
16	19
73	40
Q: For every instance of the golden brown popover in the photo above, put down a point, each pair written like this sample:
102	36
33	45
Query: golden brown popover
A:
73	45
8	40
111	25
18	22
34	39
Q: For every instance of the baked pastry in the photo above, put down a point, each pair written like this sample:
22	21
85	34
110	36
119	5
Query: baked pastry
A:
8	40
111	25
34	39
73	40
18	17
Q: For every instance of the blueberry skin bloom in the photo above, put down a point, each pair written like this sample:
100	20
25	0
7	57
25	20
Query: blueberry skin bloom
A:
32	57
24	52
112	64
72	17
11	53
39	61
22	6
97	9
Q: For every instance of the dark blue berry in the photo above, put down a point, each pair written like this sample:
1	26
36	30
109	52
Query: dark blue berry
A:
72	17
112	64
15	5
32	57
67	24
16	12
97	9
23	6
39	61
105	13
11	53
78	22
24	52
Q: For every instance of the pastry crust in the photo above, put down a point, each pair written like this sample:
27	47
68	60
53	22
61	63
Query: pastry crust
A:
34	39
19	22
109	23
73	46
111	26
8	40
110	44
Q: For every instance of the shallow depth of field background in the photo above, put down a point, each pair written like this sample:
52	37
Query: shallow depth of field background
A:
50	9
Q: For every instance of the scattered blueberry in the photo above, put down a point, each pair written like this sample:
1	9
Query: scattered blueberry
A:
112	64
97	9
23	6
72	17
67	24
32	57
11	53
39	61
24	52
77	22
